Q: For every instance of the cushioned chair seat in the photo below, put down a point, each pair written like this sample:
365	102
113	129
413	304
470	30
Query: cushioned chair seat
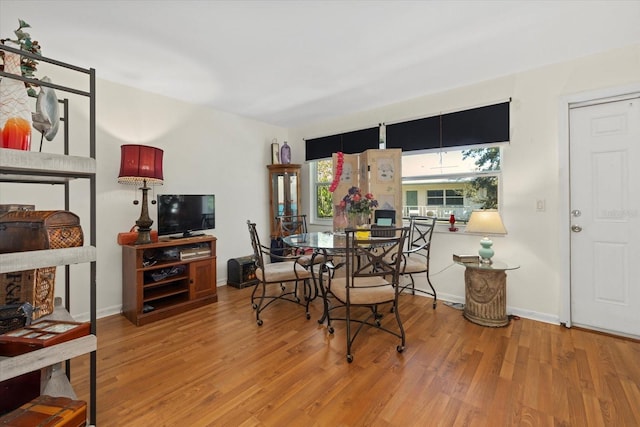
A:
308	260
366	290
282	271
414	264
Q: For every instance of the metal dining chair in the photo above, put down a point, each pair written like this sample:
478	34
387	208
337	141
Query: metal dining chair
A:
288	225
372	266
279	275
291	224
416	256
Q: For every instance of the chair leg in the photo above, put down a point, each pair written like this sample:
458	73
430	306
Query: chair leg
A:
258	307
400	348
327	315
414	290
253	295
319	282
349	340
308	296
295	290
433	290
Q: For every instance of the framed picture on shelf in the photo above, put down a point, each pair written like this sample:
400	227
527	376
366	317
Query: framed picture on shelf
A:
275	153
41	334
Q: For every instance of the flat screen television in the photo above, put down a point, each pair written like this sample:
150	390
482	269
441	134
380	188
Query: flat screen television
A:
183	215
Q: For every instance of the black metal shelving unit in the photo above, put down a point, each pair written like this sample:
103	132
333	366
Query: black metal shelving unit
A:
58	169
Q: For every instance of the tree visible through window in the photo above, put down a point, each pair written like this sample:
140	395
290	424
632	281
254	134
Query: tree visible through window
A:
484	189
324	176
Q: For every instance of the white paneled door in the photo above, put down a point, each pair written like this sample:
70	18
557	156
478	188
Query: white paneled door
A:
604	158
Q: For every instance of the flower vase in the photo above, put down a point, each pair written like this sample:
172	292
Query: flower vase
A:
15	114
340	221
360	221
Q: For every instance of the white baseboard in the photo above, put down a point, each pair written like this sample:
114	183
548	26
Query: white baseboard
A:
515	311
85	317
527	314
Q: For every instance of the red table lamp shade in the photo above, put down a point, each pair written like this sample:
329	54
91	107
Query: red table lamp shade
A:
140	162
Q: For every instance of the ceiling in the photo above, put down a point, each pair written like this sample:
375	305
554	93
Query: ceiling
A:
295	62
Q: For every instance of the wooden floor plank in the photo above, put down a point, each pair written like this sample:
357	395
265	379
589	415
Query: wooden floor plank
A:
214	366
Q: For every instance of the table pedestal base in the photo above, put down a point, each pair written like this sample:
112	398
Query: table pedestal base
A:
486	297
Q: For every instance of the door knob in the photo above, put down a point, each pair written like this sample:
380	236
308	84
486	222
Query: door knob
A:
576	228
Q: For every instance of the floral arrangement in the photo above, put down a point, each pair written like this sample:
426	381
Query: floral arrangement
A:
355	202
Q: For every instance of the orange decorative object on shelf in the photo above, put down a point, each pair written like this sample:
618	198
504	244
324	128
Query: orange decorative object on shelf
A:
16	134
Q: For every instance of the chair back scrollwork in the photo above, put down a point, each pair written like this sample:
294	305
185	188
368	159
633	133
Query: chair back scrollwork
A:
417	254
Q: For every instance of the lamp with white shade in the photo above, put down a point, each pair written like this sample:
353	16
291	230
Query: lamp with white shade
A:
486	222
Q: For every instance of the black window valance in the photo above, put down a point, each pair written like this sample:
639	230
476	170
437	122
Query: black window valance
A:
352	142
482	125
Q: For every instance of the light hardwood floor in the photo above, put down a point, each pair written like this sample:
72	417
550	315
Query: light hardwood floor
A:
215	367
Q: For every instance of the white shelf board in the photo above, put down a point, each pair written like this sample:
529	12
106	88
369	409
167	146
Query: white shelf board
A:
19	261
11	367
29	162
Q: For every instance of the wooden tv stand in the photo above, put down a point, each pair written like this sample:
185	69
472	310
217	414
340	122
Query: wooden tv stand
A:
168	277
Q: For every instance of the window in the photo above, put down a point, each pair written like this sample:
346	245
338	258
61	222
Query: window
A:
443	183
450	162
453	182
445	197
435	197
411	201
454	197
322	170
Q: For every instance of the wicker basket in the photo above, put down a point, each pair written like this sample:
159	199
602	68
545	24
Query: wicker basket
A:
11	318
33	286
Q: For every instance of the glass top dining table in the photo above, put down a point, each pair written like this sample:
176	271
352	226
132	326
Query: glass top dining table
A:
327	245
321	240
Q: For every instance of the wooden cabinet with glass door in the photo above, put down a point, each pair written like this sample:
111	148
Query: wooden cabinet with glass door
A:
284	192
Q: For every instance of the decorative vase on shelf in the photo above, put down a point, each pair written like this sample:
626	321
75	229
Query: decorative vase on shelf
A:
340	221
15	114
285	154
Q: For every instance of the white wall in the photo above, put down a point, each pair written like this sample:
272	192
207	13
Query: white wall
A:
205	151
530	171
